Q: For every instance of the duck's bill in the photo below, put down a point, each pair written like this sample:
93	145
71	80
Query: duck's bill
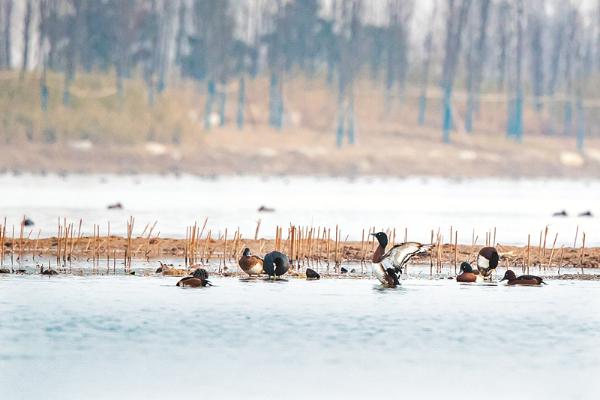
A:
373	234
503	279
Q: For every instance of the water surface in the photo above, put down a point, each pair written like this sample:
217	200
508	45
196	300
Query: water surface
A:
143	338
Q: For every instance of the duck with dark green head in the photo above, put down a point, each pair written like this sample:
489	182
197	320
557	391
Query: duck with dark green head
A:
467	275
387	266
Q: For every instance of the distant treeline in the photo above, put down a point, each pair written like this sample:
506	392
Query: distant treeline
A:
529	52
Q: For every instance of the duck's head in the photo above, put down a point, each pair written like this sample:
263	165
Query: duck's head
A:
509	276
200	273
381	238
246	252
466	267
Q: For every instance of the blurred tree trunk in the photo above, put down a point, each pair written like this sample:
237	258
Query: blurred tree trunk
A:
26	38
6	34
475	63
427	52
455	21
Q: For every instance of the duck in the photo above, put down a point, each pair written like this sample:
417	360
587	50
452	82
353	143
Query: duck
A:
265	209
27	222
512	279
587	213
48	271
467	275
276	264
487	261
115	206
198	279
169	270
250	264
562	213
387	265
311	274
4	271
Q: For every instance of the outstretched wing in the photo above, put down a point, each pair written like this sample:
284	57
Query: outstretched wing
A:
400	254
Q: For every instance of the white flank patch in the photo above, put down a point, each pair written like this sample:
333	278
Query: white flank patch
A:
467	155
81	145
570	159
156	149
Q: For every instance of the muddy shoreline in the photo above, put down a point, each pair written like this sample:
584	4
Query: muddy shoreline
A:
303	253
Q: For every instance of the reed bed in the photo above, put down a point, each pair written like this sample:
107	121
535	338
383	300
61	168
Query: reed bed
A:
322	248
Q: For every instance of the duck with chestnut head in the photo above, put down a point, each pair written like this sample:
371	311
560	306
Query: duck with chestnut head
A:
251	264
529	280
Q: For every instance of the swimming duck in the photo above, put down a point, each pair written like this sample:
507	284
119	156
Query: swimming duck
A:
587	213
251	264
48	271
198	279
312	274
387	266
467	275
4	271
487	261
562	213
521	280
276	264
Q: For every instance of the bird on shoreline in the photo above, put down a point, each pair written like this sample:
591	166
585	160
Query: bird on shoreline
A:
198	279
311	274
388	265
530	280
487	261
276	264
467	275
169	270
251	264
5	271
48	271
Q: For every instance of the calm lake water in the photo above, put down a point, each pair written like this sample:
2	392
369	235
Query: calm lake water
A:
143	338
515	207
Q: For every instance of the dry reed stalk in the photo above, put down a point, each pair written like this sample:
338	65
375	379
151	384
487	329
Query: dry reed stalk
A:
21	240
455	251
540	246
328	246
574	241
528	251
292	234
12	249
257	229
544	248
431	257
405	234
582	251
494	242
2	236
552	251
473	238
224	248
108	248
35	245
362	249
337	242
562	248
206	242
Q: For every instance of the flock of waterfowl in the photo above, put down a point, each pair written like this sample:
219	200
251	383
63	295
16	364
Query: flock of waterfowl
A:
387	266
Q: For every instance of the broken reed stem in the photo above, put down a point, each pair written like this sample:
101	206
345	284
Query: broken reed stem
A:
257	229
574	241
552	251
